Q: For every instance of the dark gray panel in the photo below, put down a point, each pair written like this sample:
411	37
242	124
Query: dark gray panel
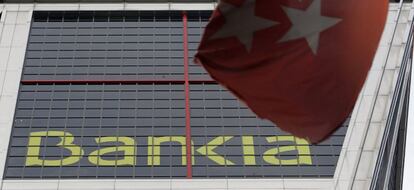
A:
61	48
144	45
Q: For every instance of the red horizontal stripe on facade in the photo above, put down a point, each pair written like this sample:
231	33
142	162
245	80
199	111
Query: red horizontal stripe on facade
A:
29	82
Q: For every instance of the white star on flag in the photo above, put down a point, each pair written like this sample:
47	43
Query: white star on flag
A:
308	24
241	22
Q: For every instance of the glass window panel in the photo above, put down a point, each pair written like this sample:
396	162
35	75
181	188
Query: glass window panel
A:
147	46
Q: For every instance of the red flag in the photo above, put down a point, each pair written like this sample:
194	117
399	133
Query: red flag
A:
299	63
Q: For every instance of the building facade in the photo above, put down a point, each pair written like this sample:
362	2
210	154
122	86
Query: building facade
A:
105	96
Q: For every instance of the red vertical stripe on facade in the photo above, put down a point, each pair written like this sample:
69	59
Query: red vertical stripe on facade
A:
187	99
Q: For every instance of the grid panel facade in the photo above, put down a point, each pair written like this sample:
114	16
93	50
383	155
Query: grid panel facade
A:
105	46
197	20
216	112
102	96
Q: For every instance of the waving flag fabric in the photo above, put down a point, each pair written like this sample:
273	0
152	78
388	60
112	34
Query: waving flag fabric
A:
299	63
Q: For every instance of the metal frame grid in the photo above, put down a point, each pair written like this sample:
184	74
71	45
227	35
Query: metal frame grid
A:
188	98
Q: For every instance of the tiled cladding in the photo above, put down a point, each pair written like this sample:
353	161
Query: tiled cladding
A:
105	46
217	113
196	24
81	115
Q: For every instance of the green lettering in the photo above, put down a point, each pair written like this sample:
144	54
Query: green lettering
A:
128	148
302	146
66	142
208	150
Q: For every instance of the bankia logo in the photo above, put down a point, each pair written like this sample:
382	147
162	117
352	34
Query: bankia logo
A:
282	150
